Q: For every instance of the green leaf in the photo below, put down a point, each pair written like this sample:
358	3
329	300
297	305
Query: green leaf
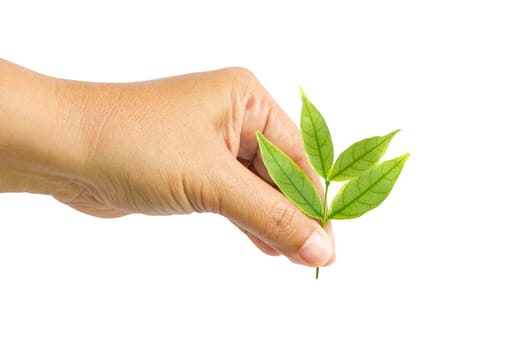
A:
316	138
290	179
367	191
360	156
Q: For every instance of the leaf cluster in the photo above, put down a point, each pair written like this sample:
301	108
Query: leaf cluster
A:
368	182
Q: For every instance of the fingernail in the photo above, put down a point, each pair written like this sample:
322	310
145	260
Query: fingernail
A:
317	249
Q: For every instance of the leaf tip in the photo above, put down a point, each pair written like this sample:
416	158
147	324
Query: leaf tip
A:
404	157
303	95
393	133
260	137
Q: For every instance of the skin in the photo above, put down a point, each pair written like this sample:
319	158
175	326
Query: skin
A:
170	146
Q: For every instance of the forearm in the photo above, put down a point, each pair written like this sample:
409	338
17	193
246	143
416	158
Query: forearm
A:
40	146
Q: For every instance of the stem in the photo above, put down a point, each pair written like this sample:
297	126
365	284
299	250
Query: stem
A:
324	220
325	204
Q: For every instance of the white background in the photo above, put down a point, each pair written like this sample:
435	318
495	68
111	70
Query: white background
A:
440	265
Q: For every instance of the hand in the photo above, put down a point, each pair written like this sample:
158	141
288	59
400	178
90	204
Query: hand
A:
186	144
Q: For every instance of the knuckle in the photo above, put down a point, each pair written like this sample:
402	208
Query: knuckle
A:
241	78
240	72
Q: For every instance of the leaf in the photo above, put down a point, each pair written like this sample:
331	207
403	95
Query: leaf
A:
316	138
291	180
367	191
360	156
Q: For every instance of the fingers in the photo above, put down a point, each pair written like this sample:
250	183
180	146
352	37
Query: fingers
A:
261	210
263	247
257	208
260	112
329	230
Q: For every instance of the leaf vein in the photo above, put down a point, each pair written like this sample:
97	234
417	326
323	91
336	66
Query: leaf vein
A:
342	170
293	184
367	189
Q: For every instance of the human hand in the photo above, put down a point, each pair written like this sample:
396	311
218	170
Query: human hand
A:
186	144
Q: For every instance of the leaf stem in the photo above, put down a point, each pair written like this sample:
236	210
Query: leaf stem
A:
325	203
324	220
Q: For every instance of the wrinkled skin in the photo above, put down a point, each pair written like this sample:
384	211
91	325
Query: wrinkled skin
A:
170	146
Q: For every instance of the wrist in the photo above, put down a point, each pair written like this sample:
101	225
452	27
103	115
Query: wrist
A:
40	150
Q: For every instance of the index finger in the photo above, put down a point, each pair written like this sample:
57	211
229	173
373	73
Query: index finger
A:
261	112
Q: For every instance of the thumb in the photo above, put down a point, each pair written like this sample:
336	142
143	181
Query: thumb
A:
265	213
